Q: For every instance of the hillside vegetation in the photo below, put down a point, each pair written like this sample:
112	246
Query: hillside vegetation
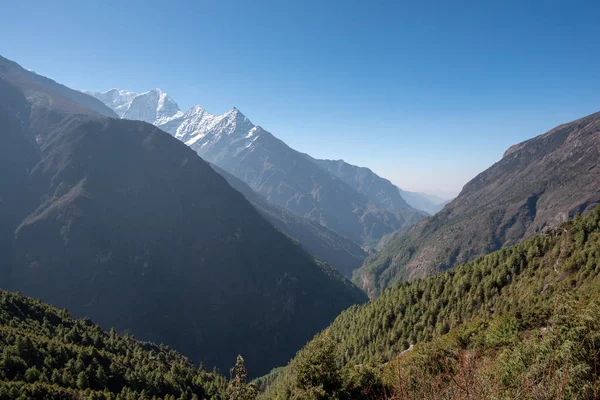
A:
523	321
48	354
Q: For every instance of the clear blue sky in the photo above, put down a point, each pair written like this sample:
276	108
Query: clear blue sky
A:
427	94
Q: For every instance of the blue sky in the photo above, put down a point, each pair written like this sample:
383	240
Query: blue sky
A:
427	94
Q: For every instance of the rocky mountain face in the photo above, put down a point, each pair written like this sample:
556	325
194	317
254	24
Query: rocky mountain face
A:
284	176
336	250
120	222
537	184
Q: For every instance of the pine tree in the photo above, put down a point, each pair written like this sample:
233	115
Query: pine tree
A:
101	376
238	388
32	375
316	374
82	381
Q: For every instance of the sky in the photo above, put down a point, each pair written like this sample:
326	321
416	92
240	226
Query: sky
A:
426	94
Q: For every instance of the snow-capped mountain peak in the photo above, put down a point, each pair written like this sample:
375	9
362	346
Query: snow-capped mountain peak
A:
235	118
196	127
118	100
154	106
197	108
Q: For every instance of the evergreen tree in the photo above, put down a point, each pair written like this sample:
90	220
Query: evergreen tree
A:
239	388
82	381
316	371
32	375
100	376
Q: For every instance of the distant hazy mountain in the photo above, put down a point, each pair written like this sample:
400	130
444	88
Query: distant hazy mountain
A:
282	175
538	183
118	221
429	203
381	191
378	190
336	250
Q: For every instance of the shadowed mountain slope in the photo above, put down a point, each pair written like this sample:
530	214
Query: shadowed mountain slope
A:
119	221
334	249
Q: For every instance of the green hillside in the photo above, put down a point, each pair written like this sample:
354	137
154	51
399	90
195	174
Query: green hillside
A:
46	354
521	320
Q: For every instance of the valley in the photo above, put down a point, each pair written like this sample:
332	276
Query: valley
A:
317	201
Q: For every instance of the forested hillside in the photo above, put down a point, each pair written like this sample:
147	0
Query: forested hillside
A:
522	319
46	354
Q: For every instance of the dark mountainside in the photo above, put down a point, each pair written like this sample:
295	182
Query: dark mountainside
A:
339	252
40	89
538	183
118	221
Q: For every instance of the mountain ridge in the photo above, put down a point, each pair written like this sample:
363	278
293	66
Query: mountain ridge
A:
539	183
50	355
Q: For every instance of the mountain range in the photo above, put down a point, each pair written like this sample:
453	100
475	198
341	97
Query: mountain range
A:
208	233
515	198
120	222
351	207
536	185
